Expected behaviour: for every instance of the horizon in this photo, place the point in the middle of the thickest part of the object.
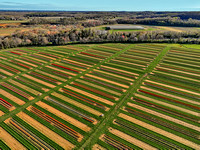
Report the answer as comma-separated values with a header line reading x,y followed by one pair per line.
x,y
103,5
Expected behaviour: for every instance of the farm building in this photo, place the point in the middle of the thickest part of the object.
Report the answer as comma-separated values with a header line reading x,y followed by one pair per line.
x,y
124,27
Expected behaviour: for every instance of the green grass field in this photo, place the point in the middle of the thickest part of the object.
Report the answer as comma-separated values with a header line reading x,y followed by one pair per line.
x,y
100,96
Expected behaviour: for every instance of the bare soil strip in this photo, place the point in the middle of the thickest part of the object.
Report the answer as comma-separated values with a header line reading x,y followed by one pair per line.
x,y
39,60
26,62
131,139
10,141
73,102
47,57
169,105
165,117
173,96
24,87
115,75
11,97
129,63
160,131
98,147
90,95
46,131
77,62
112,82
1,113
39,81
6,72
169,86
64,117
120,70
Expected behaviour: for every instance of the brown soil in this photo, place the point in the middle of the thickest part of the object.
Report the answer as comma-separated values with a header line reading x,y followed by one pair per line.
x,y
160,131
98,147
64,117
46,131
10,141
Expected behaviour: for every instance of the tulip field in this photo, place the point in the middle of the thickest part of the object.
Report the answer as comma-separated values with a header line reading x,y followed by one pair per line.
x,y
100,97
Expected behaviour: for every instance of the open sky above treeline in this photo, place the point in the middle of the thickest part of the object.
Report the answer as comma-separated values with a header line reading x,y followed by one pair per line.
x,y
102,5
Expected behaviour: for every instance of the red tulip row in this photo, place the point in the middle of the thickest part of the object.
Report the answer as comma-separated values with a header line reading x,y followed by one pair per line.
x,y
14,89
93,55
9,68
66,68
84,99
5,103
95,91
169,99
55,122
20,64
15,53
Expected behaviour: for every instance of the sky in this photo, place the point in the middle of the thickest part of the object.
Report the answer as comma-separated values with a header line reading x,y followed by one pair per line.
x,y
102,5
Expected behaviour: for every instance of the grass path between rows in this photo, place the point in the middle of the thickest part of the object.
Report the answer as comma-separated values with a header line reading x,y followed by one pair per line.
x,y
105,123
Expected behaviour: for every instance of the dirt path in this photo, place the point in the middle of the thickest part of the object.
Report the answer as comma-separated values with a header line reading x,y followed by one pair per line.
x,y
73,102
39,81
10,141
171,29
90,95
11,97
173,87
131,139
170,95
64,117
165,117
169,105
160,131
46,131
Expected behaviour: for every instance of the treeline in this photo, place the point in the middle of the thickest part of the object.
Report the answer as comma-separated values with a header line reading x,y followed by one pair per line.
x,y
164,21
44,37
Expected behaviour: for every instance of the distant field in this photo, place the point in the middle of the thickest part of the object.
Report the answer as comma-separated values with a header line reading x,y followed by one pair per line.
x,y
100,96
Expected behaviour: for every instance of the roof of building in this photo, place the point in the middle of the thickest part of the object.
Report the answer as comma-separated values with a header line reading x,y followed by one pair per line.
x,y
125,27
